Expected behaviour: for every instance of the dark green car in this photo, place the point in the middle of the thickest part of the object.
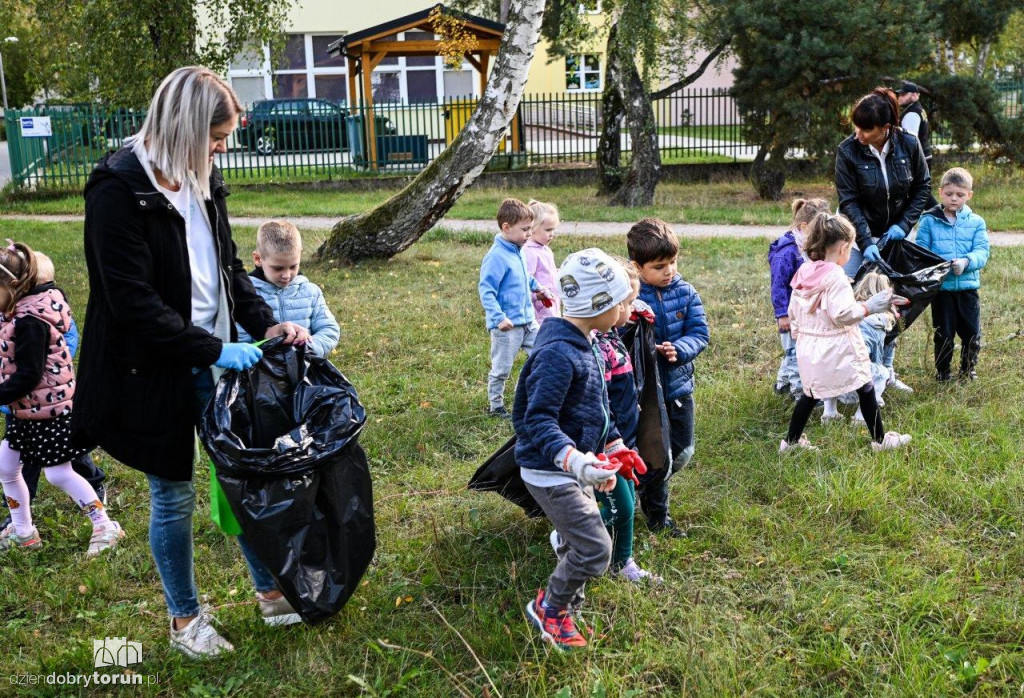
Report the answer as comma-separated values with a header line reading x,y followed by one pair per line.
x,y
299,125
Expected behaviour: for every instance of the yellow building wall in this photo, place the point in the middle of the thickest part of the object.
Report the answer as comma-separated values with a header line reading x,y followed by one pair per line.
x,y
332,16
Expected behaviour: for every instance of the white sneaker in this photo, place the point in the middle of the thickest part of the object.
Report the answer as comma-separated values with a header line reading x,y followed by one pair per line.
x,y
199,639
555,540
832,418
277,611
105,538
890,441
858,420
897,384
802,443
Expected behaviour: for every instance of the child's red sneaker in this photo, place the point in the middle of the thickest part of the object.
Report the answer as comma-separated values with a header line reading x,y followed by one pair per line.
x,y
555,626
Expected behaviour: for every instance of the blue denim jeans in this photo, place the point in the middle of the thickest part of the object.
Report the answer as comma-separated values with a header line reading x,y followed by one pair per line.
x,y
172,504
789,373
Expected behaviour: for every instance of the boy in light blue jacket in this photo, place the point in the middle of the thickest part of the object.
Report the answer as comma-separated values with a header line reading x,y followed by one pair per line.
x,y
505,292
955,232
291,296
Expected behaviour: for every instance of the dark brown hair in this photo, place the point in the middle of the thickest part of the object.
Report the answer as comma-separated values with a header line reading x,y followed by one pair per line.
x,y
649,240
512,211
877,108
824,231
18,274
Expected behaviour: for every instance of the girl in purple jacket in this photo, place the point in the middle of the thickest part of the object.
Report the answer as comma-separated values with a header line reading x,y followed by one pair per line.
x,y
785,256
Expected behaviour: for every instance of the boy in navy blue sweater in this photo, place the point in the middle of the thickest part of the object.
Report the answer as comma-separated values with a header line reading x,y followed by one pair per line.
x,y
681,330
561,417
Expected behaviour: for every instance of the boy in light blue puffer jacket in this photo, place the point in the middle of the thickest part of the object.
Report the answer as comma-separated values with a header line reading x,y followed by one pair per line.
x,y
291,296
955,232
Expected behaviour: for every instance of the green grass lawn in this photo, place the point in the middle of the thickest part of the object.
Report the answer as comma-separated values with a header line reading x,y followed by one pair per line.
x,y
997,197
830,573
717,132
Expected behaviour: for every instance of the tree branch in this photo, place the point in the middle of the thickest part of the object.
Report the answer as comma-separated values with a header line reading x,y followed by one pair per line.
x,y
695,75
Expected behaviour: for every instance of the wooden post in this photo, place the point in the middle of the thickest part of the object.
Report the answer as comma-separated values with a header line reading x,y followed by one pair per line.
x,y
485,61
351,82
368,118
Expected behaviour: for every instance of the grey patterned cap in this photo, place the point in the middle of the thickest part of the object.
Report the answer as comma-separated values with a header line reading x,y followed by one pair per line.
x,y
591,283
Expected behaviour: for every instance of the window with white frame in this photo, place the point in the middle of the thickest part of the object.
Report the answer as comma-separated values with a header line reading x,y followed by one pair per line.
x,y
583,73
301,68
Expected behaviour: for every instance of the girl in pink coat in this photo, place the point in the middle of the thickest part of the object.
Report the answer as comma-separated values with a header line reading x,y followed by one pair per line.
x,y
540,260
824,319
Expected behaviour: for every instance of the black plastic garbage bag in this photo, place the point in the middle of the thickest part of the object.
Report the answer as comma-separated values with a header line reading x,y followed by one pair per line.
x,y
915,273
283,436
653,441
500,472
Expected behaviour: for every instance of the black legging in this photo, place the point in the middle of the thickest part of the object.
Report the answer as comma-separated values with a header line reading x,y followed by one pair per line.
x,y
868,408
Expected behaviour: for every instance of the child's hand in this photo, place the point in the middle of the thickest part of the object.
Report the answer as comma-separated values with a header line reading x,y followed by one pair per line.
x,y
505,325
668,351
546,298
292,333
900,300
630,464
959,265
783,323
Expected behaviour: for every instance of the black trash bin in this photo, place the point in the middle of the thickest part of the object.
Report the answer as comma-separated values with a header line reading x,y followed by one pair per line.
x,y
283,436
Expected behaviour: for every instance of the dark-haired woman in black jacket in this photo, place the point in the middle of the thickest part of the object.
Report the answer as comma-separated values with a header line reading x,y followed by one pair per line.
x,y
883,184
882,177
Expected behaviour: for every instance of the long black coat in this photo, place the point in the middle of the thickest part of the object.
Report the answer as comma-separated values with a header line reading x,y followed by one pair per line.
x,y
135,394
863,196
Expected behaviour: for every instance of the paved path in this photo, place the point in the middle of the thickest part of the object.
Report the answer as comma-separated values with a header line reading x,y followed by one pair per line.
x,y
5,164
684,230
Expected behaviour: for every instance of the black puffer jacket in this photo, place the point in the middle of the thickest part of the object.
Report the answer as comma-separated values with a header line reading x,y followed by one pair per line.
x,y
135,395
863,196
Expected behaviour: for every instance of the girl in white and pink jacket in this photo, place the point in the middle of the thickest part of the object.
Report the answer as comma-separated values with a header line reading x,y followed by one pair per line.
x,y
824,318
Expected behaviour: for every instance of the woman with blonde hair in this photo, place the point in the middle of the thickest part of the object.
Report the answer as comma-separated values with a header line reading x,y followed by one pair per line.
x,y
166,288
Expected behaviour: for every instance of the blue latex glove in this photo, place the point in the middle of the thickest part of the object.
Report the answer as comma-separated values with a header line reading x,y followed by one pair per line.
x,y
4,409
893,233
238,356
871,254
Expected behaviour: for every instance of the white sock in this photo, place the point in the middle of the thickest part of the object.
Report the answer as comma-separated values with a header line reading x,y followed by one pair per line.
x,y
79,489
830,407
15,489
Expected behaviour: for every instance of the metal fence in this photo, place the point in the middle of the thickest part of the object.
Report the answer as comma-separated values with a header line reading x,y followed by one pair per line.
x,y
316,139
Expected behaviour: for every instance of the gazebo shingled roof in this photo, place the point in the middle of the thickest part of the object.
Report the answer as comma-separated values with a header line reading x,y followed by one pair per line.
x,y
365,49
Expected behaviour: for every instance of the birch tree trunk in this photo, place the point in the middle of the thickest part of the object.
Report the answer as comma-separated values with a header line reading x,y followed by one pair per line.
x,y
609,146
983,52
401,220
645,166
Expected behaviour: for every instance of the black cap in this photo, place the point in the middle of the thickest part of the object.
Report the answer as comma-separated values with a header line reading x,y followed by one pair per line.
x,y
909,87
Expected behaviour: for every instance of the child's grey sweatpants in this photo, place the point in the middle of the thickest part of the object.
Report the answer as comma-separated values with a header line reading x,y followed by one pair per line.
x,y
573,512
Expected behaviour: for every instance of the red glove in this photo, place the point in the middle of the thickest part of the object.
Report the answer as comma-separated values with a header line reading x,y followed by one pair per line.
x,y
647,315
630,464
546,302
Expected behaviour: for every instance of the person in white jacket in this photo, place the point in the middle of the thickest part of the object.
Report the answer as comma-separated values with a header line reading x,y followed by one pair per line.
x,y
824,318
291,296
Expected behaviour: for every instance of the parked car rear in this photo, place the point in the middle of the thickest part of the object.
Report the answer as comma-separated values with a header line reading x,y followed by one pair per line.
x,y
274,125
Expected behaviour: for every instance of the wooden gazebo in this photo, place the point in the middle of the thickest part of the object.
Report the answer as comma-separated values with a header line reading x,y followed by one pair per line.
x,y
365,49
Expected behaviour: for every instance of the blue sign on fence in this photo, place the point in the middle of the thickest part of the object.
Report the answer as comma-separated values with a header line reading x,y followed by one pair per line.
x,y
36,127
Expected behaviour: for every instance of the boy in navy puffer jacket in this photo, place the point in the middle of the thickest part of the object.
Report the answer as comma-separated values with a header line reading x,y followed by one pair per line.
x,y
562,418
291,296
681,330
953,231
